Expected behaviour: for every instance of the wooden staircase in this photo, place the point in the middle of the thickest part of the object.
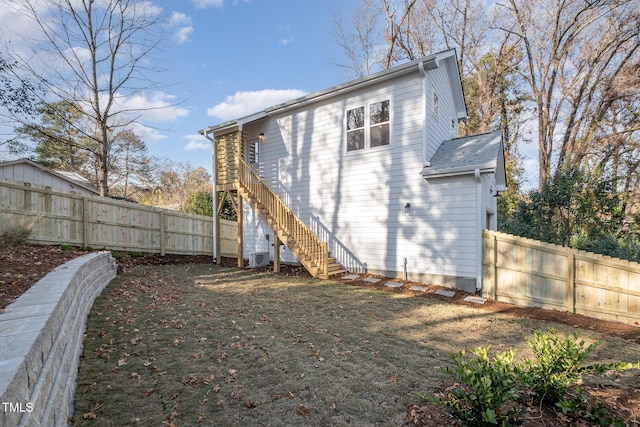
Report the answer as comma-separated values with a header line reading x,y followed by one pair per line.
x,y
312,252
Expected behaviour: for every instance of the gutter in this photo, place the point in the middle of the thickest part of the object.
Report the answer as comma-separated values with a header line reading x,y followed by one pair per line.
x,y
215,195
478,177
463,170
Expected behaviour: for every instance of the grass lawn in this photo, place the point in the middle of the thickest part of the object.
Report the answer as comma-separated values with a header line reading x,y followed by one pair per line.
x,y
197,344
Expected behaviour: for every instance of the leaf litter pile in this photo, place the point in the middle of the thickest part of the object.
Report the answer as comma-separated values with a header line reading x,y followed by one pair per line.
x,y
198,344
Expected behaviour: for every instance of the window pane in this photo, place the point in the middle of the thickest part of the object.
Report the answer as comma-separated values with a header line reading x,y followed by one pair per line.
x,y
355,118
380,135
355,140
379,112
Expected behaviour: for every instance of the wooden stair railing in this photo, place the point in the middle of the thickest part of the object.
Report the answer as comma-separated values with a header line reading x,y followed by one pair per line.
x,y
312,252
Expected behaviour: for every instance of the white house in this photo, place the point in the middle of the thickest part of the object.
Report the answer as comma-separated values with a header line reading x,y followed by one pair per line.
x,y
374,169
24,170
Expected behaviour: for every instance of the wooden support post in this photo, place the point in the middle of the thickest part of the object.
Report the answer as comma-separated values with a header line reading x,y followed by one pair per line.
x,y
240,232
325,260
217,238
276,253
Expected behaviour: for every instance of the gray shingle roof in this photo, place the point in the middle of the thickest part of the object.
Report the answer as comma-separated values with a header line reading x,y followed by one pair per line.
x,y
482,152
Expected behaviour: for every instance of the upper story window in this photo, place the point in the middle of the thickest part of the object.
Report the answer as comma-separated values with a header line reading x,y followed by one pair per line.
x,y
368,127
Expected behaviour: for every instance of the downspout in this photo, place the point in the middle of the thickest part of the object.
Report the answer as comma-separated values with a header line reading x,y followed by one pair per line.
x,y
215,196
423,74
478,177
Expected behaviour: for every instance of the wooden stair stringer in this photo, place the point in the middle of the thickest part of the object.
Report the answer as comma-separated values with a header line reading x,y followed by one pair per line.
x,y
285,239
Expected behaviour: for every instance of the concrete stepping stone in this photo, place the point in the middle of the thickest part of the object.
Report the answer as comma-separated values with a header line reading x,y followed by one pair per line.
x,y
419,288
372,280
448,294
393,284
351,277
477,300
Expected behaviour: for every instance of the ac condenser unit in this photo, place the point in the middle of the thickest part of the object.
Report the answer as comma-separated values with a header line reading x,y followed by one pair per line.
x,y
258,259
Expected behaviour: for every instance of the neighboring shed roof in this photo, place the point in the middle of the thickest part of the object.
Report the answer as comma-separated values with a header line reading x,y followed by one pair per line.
x,y
74,180
461,156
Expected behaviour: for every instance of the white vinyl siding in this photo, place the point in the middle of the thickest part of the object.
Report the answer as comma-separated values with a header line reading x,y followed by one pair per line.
x,y
355,199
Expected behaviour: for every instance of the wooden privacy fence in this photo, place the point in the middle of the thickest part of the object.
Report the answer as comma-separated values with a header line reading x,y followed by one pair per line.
x,y
228,238
531,273
99,222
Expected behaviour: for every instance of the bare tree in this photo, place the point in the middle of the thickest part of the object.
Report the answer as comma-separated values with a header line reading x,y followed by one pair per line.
x,y
574,53
94,54
357,38
131,166
362,38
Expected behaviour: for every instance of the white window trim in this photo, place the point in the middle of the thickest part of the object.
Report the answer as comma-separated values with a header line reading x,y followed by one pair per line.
x,y
367,127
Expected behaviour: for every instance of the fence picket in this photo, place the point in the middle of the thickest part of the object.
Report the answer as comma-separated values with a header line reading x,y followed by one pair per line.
x,y
533,273
68,218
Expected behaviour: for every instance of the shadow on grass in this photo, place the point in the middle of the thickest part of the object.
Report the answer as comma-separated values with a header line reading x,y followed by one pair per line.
x,y
207,345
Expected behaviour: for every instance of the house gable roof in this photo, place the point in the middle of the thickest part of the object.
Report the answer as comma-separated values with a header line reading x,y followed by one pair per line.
x,y
423,64
70,177
465,155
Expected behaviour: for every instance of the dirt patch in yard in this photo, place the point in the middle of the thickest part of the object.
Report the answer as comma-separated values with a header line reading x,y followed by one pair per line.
x,y
22,266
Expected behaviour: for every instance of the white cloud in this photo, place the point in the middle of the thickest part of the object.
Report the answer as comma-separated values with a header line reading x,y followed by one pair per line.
x,y
286,41
183,24
197,142
178,18
244,103
182,35
159,107
287,37
203,4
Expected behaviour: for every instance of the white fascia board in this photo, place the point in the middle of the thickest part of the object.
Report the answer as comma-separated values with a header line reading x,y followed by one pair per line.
x,y
465,170
233,125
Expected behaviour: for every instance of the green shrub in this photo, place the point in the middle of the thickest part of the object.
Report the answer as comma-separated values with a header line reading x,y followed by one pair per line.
x,y
136,254
67,248
116,254
489,392
559,364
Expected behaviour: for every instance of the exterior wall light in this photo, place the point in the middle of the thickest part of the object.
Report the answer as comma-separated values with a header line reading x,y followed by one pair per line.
x,y
407,208
261,137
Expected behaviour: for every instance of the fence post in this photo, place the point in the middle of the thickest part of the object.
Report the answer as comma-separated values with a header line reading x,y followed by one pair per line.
x,y
494,291
163,237
27,197
570,295
85,222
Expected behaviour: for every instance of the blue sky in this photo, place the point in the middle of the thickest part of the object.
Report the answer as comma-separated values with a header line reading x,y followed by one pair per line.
x,y
220,59
224,59
227,59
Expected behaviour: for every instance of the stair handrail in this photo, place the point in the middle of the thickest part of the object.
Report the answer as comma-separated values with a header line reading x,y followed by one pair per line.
x,y
285,218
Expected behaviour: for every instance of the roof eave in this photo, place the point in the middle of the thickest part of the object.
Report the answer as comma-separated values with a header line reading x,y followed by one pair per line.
x,y
382,76
462,170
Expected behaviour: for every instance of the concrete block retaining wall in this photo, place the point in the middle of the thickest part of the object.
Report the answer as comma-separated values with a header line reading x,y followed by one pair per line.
x,y
41,341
